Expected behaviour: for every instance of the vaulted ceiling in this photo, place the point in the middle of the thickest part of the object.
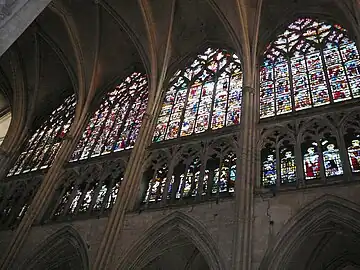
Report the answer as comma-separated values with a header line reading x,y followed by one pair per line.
x,y
86,44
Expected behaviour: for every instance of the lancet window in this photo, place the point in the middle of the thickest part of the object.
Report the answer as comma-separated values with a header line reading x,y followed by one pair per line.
x,y
15,198
87,190
206,95
278,164
40,151
190,172
311,64
116,124
311,150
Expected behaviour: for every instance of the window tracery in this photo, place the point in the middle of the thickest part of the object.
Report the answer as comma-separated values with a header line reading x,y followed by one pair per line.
x,y
40,151
311,64
310,150
88,190
15,198
277,157
116,124
190,172
205,95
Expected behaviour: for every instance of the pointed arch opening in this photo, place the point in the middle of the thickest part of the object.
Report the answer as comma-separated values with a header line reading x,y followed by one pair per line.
x,y
205,95
116,123
177,238
323,233
65,249
311,64
40,150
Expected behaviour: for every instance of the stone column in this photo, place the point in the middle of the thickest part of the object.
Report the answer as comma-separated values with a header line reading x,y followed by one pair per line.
x,y
130,184
245,179
44,194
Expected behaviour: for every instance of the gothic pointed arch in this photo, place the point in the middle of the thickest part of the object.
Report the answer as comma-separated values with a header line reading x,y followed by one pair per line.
x,y
115,124
177,229
328,214
203,95
65,249
313,63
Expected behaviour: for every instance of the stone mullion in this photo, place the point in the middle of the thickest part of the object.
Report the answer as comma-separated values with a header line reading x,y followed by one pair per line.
x,y
168,181
151,184
244,182
107,196
299,164
44,193
82,197
210,183
188,163
221,164
95,194
71,198
203,160
57,203
278,164
344,156
321,160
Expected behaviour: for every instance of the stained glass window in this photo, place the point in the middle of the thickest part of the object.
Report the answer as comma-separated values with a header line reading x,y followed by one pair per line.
x,y
225,175
115,125
205,95
269,174
311,160
41,149
353,148
311,64
331,157
288,168
157,185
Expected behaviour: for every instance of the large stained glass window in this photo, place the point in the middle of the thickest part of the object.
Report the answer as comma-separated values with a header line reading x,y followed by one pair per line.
x,y
309,65
41,149
115,125
205,95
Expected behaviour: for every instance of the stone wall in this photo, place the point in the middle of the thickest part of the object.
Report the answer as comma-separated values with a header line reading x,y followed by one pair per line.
x,y
216,218
271,214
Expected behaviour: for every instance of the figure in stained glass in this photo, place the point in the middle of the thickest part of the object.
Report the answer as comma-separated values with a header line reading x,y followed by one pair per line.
x,y
205,95
354,155
269,171
311,164
332,161
288,168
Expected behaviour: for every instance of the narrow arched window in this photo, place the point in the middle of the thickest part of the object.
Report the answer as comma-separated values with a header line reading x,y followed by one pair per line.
x,y
206,95
116,124
40,151
311,64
